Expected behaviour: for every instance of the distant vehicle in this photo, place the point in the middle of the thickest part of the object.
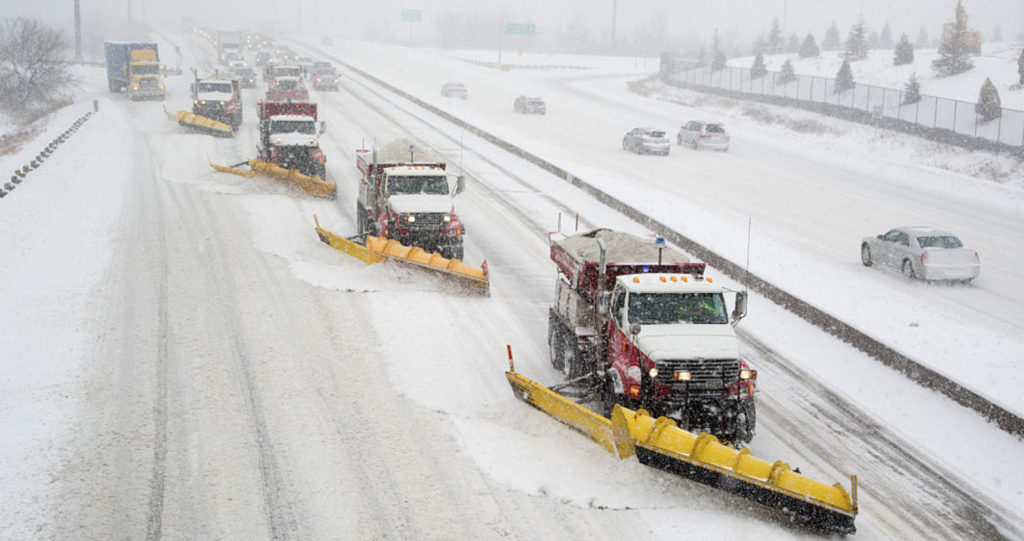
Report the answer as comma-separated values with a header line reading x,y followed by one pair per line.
x,y
325,78
230,57
134,68
219,99
700,134
237,64
527,104
273,71
286,88
305,62
927,253
263,57
646,141
322,64
454,90
246,76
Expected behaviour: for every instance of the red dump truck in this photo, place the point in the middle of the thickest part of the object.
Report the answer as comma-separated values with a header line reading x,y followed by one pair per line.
x,y
409,198
637,323
289,137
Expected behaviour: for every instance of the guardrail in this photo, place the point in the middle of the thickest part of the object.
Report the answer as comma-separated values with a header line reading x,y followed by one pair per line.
x,y
21,174
926,377
940,119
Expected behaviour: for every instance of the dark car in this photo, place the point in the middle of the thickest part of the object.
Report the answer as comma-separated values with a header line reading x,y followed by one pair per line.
x,y
530,104
246,76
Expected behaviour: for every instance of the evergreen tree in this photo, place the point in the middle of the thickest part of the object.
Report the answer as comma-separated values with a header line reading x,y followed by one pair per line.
x,y
873,41
844,78
1020,66
912,90
773,43
922,39
953,55
787,75
989,106
758,70
809,48
794,43
857,42
758,45
831,41
904,52
885,39
702,58
717,55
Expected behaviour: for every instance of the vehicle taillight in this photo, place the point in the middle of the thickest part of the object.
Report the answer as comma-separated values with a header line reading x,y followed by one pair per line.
x,y
318,156
976,257
230,106
924,257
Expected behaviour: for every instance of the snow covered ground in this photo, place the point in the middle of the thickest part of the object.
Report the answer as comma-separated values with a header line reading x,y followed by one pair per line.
x,y
308,395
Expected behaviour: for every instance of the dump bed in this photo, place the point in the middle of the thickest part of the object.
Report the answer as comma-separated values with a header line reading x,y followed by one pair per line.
x,y
578,258
265,109
394,154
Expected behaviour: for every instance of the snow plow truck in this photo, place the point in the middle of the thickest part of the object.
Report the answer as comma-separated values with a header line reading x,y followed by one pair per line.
x,y
289,137
409,199
636,323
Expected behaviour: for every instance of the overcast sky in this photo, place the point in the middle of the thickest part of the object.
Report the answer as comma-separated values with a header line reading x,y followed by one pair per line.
x,y
741,20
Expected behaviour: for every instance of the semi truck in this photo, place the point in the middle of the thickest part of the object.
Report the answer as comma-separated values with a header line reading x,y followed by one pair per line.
x,y
636,323
409,199
289,137
229,45
134,68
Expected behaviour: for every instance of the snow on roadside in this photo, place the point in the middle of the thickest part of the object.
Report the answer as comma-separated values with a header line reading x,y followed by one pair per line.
x,y
55,245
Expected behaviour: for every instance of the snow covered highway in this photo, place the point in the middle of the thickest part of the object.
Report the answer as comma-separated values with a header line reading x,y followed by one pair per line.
x,y
189,361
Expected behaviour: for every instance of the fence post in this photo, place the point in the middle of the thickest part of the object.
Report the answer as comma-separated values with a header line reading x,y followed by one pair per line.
x,y
956,109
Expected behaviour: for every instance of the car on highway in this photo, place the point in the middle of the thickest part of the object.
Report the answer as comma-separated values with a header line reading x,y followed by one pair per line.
x,y
530,104
646,141
262,57
921,252
325,78
454,90
701,134
246,76
287,89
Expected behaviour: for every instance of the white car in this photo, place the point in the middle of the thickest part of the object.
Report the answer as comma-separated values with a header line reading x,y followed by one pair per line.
x,y
700,134
454,90
927,253
646,141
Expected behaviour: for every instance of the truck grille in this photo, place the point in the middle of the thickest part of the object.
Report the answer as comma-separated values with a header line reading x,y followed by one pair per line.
x,y
147,83
708,377
427,221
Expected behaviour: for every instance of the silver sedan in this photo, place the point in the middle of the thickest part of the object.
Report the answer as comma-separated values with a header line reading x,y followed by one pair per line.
x,y
922,252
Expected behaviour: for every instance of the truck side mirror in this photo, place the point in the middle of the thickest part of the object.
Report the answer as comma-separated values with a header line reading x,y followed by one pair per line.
x,y
323,128
602,302
740,311
460,184
634,330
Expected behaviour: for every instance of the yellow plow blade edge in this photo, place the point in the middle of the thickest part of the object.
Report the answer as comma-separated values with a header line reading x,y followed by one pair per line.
x,y
204,124
311,185
378,249
234,170
661,444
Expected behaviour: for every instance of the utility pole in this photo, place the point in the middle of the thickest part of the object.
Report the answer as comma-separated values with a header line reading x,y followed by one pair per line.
x,y
78,31
614,17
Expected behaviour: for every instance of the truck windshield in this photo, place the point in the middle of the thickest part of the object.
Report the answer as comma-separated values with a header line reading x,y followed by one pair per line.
x,y
671,308
215,87
146,69
288,72
434,185
293,126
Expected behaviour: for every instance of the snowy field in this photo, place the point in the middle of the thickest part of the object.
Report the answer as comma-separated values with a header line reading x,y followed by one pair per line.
x,y
308,395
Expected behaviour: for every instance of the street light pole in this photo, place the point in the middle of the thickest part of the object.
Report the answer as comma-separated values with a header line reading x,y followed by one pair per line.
x,y
78,32
614,17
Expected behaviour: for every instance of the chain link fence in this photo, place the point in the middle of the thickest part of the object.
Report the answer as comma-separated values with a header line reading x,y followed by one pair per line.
x,y
940,119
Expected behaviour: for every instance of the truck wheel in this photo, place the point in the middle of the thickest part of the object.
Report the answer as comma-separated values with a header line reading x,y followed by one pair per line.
x,y
114,87
555,347
453,251
744,423
572,363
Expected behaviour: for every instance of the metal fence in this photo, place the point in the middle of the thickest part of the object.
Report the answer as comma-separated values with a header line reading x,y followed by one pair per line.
x,y
937,118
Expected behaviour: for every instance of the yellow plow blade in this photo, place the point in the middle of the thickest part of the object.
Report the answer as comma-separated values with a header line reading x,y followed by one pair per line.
x,y
661,444
204,124
234,170
311,185
378,249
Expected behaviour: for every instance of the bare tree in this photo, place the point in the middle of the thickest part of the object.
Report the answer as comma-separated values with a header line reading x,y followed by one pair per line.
x,y
33,65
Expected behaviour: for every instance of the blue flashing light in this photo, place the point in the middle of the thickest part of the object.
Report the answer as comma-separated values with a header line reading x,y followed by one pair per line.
x,y
646,268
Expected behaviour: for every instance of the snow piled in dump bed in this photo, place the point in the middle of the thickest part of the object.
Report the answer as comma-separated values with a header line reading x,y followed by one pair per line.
x,y
620,248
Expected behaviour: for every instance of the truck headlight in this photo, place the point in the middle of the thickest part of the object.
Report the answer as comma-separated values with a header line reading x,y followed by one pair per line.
x,y
744,374
683,375
447,218
410,218
653,372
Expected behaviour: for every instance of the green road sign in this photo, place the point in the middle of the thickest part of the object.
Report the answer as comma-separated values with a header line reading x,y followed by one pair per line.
x,y
522,29
412,15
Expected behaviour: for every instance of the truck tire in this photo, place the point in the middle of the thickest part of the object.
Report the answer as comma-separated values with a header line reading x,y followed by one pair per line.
x,y
555,345
572,361
113,85
452,250
745,422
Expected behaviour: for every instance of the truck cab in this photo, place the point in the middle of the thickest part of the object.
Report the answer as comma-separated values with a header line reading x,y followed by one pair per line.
x,y
293,143
135,68
672,350
219,99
